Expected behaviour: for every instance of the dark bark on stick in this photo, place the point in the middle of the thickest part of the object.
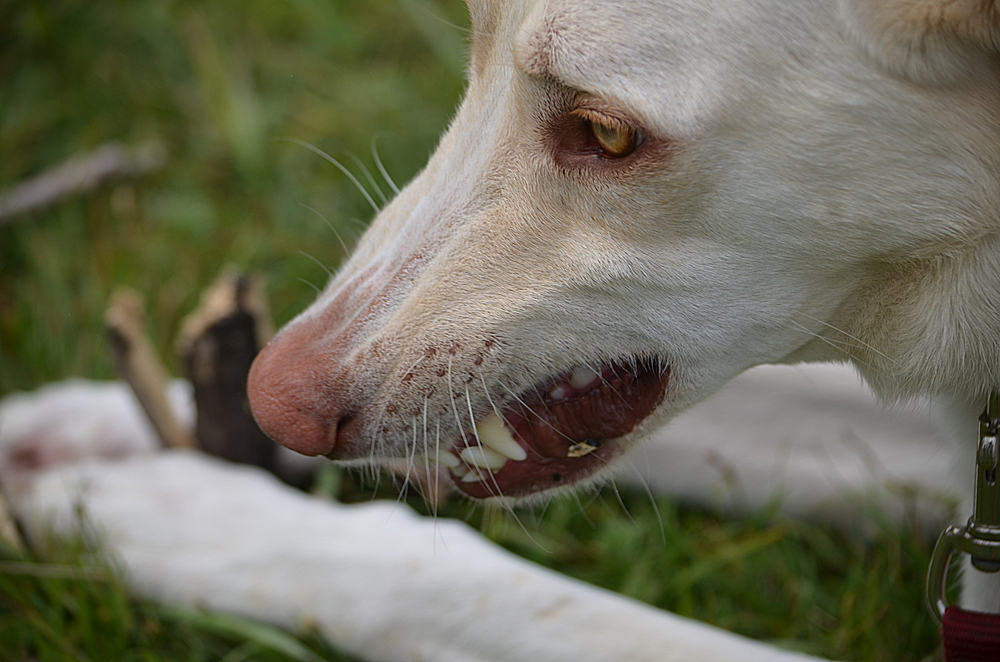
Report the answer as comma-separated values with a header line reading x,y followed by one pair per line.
x,y
218,342
135,362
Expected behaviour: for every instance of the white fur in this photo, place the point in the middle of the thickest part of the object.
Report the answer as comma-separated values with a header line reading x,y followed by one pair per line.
x,y
820,181
811,205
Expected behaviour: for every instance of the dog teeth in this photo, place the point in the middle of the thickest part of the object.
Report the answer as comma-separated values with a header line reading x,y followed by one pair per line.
x,y
483,457
448,460
473,477
557,392
495,436
582,376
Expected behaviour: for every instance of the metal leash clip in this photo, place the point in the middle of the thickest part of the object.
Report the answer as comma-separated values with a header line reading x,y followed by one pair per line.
x,y
980,537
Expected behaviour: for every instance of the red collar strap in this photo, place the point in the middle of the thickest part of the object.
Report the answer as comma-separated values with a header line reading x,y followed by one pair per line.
x,y
970,636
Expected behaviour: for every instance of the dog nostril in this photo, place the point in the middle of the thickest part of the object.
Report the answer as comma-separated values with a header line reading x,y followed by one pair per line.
x,y
343,422
340,431
282,398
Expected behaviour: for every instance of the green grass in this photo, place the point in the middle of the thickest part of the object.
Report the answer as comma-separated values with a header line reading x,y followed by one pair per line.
x,y
223,86
799,586
228,88
62,607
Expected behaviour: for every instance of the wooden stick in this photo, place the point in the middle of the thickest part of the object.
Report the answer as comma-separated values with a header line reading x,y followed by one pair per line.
x,y
217,343
82,173
9,533
135,361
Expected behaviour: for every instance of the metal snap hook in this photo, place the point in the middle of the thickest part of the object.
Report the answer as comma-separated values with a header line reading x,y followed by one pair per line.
x,y
980,537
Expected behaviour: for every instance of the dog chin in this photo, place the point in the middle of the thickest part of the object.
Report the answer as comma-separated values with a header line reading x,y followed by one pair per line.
x,y
561,432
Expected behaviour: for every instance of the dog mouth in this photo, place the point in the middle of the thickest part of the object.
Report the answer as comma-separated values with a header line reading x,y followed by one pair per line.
x,y
559,432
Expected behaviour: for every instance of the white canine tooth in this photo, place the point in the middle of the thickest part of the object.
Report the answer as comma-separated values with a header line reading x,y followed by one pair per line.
x,y
461,471
483,457
493,434
473,477
448,460
582,376
557,392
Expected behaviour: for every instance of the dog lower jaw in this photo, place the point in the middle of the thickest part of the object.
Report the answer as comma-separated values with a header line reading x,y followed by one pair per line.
x,y
558,433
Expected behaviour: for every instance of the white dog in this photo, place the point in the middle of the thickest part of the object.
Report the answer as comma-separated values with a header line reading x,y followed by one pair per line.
x,y
639,200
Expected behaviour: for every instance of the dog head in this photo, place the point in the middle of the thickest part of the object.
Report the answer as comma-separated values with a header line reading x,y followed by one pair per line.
x,y
638,200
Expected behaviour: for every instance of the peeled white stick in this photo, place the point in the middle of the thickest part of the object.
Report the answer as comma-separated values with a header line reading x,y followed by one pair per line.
x,y
815,437
136,362
376,580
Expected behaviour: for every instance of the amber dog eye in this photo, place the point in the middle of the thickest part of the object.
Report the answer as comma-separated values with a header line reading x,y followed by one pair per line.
x,y
615,138
616,141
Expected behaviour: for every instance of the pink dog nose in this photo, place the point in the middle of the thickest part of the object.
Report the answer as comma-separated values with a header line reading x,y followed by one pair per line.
x,y
291,396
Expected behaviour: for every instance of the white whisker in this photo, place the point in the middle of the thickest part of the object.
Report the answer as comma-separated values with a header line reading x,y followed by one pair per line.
x,y
492,476
527,408
454,407
368,175
329,272
652,501
409,465
836,344
414,365
339,166
381,168
853,338
496,410
600,375
330,225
